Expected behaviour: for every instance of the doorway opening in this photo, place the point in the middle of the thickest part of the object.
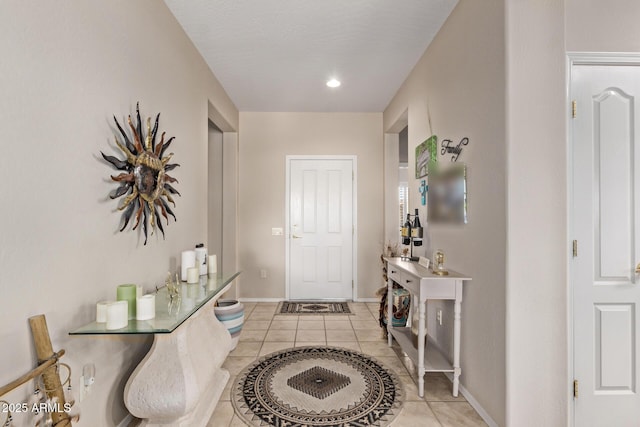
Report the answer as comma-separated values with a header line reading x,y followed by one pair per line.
x,y
396,179
403,177
222,194
215,193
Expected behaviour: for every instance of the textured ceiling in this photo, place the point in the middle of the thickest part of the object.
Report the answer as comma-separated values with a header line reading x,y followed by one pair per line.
x,y
276,55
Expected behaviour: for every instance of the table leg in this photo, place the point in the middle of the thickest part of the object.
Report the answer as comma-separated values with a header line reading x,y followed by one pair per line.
x,y
421,343
457,306
389,311
180,381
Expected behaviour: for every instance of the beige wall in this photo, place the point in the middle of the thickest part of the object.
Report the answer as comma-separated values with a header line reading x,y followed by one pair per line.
x,y
459,83
66,68
265,140
602,26
537,377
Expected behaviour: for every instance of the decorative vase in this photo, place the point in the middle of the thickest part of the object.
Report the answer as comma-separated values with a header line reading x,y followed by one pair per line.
x,y
231,314
401,303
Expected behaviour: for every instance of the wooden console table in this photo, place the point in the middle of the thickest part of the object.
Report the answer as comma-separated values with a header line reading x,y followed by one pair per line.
x,y
180,380
424,285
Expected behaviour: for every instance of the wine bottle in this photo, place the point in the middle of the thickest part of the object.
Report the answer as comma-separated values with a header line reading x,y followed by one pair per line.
x,y
406,231
416,231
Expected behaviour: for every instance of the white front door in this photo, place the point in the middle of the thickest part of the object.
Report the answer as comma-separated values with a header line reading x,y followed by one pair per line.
x,y
320,229
605,221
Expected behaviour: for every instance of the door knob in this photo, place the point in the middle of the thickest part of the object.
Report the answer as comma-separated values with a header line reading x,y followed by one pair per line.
x,y
638,268
296,237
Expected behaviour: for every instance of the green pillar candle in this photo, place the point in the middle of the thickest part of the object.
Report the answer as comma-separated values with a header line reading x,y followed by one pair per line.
x,y
128,293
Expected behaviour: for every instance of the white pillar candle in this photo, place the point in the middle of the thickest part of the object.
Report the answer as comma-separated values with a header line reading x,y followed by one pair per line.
x,y
146,307
128,293
193,274
213,264
201,260
188,261
101,311
117,315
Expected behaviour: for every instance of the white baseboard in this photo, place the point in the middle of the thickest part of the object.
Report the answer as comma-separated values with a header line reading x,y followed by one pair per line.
x,y
367,300
282,299
474,403
472,400
127,420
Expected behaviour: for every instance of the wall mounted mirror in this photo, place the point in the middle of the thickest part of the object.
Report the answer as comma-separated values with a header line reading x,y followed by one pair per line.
x,y
447,194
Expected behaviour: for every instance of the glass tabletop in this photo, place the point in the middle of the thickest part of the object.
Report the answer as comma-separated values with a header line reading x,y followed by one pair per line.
x,y
170,313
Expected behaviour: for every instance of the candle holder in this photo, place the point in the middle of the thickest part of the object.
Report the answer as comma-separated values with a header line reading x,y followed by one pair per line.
x,y
172,286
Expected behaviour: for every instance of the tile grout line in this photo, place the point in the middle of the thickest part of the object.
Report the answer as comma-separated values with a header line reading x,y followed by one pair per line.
x,y
406,371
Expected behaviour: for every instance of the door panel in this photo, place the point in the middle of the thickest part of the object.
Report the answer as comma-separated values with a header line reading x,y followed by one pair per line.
x,y
604,216
615,364
309,198
334,207
613,142
321,234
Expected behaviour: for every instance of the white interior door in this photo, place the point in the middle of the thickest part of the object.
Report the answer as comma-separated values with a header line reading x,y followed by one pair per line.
x,y
605,223
320,229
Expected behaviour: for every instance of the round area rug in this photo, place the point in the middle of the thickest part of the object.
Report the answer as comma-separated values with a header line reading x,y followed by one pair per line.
x,y
317,386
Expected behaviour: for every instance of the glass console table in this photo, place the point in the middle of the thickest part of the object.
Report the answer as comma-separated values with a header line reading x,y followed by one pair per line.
x,y
181,379
169,313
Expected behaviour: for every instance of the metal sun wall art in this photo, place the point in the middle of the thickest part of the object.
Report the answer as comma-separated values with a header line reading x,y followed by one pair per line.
x,y
144,179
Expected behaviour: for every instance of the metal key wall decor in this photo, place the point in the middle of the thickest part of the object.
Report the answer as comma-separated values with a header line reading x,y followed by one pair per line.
x,y
144,179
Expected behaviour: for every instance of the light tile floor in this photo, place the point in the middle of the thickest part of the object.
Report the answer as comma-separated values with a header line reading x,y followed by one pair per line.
x,y
265,332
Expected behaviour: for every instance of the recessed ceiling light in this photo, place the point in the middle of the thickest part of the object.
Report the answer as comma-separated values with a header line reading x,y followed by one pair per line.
x,y
333,83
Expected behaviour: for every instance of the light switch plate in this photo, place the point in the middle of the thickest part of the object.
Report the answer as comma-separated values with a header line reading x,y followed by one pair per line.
x,y
276,232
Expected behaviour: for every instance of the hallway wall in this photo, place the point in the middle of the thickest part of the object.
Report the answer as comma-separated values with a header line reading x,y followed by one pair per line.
x,y
265,140
597,26
67,67
457,87
537,248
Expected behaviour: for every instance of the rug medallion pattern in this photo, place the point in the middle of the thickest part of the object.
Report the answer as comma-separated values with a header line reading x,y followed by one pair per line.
x,y
317,386
318,382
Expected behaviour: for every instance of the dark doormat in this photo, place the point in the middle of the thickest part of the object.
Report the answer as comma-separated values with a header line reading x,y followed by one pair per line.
x,y
313,307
